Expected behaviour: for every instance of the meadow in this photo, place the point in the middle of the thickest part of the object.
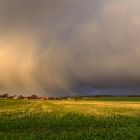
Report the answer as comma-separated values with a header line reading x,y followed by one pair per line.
x,y
95,118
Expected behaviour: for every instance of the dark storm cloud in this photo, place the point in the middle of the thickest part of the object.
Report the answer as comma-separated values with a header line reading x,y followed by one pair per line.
x,y
48,45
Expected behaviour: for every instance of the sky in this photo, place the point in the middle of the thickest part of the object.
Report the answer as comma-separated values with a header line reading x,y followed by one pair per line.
x,y
50,46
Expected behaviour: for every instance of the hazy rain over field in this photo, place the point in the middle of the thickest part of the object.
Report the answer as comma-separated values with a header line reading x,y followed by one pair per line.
x,y
56,47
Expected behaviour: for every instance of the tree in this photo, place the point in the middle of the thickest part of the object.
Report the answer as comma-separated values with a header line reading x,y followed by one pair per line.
x,y
20,97
5,95
33,97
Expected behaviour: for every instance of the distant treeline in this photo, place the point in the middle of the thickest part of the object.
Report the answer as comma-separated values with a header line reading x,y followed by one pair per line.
x,y
7,96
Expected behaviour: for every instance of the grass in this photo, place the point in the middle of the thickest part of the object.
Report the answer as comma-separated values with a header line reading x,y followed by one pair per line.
x,y
102,118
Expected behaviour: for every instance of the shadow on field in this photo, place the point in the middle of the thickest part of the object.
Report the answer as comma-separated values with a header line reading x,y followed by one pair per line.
x,y
74,126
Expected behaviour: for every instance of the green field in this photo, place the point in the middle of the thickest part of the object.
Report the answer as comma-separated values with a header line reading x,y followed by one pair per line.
x,y
102,118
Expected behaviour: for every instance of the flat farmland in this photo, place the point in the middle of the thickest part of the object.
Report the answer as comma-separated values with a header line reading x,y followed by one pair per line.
x,y
89,118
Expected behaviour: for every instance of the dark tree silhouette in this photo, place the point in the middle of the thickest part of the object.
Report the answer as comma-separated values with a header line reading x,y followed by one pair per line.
x,y
33,97
5,95
21,97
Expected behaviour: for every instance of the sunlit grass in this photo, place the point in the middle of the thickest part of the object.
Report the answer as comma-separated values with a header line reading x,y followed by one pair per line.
x,y
76,119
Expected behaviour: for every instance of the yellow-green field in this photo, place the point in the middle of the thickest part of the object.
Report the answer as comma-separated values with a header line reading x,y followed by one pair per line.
x,y
114,118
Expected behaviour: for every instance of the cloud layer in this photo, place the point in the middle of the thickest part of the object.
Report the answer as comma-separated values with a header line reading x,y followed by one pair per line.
x,y
51,46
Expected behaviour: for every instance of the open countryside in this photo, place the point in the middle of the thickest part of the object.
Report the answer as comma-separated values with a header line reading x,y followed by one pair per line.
x,y
85,118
